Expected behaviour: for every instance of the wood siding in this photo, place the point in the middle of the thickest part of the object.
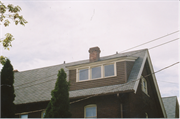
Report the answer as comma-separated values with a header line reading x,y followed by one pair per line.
x,y
107,107
123,70
31,107
141,103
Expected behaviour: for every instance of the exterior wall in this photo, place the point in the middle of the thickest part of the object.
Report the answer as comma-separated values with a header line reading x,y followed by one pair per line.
x,y
107,107
31,107
134,105
141,103
123,71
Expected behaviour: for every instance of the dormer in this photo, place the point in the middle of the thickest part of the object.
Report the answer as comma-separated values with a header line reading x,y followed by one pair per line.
x,y
100,71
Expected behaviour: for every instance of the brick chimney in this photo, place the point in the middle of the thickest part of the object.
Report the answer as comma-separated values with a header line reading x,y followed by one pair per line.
x,y
15,70
94,54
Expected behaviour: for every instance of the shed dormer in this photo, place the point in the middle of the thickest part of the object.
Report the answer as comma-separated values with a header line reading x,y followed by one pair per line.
x,y
97,72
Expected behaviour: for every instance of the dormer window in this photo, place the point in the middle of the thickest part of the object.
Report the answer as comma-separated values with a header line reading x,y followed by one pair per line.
x,y
96,72
109,70
83,74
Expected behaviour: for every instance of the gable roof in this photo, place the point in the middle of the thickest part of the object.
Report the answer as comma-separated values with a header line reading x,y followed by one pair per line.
x,y
170,106
36,85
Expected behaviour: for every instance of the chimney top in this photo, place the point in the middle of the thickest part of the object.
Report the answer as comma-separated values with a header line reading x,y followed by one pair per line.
x,y
15,70
94,54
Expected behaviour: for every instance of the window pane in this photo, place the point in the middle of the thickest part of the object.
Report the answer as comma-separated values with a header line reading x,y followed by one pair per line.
x,y
43,114
96,72
91,112
109,70
24,116
83,74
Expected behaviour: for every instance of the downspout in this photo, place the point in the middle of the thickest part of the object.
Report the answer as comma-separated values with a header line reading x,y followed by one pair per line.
x,y
121,105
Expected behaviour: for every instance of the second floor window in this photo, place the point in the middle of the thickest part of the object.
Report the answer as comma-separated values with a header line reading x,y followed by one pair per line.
x,y
144,85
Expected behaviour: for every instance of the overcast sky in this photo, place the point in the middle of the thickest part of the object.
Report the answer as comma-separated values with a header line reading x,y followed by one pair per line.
x,y
59,31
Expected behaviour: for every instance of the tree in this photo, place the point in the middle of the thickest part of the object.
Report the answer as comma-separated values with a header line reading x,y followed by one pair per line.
x,y
58,107
7,91
6,13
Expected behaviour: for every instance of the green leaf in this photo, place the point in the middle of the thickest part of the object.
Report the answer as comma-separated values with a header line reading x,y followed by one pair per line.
x,y
6,22
16,22
7,41
3,60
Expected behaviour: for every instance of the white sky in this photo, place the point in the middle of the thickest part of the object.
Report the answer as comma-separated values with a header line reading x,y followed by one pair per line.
x,y
59,31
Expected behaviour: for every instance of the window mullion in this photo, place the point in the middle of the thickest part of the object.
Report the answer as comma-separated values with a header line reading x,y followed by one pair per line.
x,y
102,71
89,73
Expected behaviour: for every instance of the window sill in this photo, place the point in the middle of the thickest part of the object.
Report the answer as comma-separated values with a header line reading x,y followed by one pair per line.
x,y
145,93
95,79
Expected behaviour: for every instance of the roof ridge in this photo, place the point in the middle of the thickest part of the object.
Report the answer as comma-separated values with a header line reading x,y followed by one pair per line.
x,y
84,60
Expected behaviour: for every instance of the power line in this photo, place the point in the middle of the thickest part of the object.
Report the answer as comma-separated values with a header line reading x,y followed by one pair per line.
x,y
150,41
124,84
78,72
168,82
164,43
122,51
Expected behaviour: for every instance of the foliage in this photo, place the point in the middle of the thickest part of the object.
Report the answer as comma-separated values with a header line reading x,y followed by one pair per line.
x,y
2,60
6,13
58,107
7,91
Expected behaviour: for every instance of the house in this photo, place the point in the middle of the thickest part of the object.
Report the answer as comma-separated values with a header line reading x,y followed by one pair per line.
x,y
115,86
171,106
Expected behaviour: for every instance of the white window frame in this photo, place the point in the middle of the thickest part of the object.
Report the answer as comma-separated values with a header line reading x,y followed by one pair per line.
x,y
104,70
146,115
144,88
87,106
90,71
43,113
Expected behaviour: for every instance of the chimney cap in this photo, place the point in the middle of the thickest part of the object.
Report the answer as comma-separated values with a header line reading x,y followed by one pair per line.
x,y
94,49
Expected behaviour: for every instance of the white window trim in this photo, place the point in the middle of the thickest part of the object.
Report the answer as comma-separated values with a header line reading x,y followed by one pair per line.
x,y
91,105
23,114
89,71
144,80
146,115
42,113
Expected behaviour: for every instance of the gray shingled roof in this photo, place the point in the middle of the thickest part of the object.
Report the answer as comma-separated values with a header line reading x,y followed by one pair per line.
x,y
36,85
170,106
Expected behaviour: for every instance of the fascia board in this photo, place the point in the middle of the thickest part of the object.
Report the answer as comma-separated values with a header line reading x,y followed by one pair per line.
x,y
156,85
119,59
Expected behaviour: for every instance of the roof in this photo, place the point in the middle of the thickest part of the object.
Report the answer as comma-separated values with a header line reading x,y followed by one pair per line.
x,y
36,85
170,106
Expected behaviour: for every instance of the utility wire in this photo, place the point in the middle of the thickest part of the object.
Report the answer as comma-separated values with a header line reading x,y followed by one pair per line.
x,y
125,84
120,52
17,87
150,41
164,43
